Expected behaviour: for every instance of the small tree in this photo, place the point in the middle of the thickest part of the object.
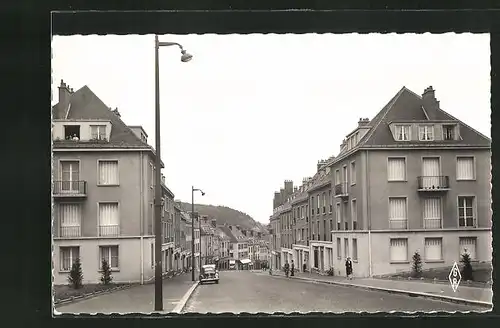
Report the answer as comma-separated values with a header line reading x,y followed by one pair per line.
x,y
106,277
416,267
467,272
75,277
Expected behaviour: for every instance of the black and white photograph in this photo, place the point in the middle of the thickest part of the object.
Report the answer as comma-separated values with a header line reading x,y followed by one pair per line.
x,y
264,173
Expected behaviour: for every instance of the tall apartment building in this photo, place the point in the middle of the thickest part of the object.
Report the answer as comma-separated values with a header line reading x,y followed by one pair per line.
x,y
103,190
414,178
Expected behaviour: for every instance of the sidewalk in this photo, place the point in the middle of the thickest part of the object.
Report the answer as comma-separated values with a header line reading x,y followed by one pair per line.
x,y
464,294
137,299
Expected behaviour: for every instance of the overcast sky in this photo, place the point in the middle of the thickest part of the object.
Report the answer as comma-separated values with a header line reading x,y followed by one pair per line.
x,y
250,111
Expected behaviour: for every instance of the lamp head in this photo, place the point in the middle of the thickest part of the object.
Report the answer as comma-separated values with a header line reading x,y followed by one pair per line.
x,y
185,57
202,193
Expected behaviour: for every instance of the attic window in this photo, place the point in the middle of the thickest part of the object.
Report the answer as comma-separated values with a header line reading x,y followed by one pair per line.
x,y
72,132
426,132
98,132
402,132
448,132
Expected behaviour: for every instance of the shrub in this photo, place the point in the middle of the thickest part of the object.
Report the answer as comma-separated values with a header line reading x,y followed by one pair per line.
x,y
106,277
416,267
466,272
75,277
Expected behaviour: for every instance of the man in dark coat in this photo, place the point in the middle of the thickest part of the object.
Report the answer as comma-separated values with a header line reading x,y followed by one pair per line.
x,y
348,268
293,269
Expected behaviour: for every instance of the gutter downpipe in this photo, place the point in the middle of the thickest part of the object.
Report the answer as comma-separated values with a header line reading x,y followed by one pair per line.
x,y
369,217
141,216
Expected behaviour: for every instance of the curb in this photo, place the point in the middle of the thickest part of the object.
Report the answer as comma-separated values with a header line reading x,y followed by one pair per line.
x,y
75,299
399,291
182,303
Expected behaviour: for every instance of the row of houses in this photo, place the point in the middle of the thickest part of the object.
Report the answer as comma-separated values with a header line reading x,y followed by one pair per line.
x,y
412,179
103,198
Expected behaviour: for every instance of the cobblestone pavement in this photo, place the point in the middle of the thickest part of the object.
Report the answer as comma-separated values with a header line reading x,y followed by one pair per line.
x,y
244,291
139,299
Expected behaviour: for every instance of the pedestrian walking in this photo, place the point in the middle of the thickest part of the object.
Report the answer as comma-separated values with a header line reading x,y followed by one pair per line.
x,y
293,269
348,268
304,266
287,267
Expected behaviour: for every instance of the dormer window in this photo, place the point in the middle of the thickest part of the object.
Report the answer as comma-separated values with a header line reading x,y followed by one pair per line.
x,y
402,132
448,132
72,132
98,132
426,133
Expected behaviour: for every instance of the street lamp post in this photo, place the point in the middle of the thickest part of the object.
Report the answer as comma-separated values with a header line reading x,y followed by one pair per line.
x,y
193,189
185,57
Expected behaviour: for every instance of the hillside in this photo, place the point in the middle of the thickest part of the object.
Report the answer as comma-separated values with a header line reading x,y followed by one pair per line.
x,y
225,214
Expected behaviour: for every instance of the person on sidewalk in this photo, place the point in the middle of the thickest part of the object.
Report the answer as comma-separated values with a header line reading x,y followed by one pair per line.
x,y
304,266
348,268
292,271
287,268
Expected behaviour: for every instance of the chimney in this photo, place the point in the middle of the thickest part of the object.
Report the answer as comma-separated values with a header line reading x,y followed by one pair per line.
x,y
288,187
214,223
320,165
362,122
64,99
429,100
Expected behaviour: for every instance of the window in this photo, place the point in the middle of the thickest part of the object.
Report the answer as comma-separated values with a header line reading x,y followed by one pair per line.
x,y
426,133
397,213
433,249
465,168
330,201
468,245
318,200
70,175
312,205
109,221
339,249
466,211
324,230
399,250
432,213
396,169
354,249
110,254
70,218
448,132
346,248
98,132
337,214
353,173
72,132
354,214
108,172
152,179
152,256
337,177
324,203
68,255
402,132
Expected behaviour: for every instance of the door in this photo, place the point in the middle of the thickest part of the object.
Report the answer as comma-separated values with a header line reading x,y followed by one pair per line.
x,y
430,172
70,174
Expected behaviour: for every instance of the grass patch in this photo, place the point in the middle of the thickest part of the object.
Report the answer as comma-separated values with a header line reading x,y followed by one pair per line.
x,y
481,273
63,292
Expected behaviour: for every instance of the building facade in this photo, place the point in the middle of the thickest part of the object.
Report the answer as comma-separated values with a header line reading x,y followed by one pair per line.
x,y
412,179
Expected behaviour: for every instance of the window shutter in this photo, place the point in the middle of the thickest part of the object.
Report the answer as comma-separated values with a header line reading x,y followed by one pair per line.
x,y
465,168
397,209
399,250
433,249
396,169
468,245
108,214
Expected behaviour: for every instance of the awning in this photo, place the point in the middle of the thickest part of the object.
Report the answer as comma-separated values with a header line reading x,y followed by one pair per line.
x,y
245,261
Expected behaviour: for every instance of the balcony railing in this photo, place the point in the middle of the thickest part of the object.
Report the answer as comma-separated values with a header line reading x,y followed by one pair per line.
x,y
398,223
71,231
109,230
70,188
434,183
432,223
341,190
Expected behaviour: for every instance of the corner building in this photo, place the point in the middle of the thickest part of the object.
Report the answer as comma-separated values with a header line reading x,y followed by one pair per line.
x,y
414,178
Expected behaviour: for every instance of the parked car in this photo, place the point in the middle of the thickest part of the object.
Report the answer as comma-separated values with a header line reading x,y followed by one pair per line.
x,y
209,274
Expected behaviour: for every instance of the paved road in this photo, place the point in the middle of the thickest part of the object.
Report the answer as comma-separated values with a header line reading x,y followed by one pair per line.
x,y
139,299
244,291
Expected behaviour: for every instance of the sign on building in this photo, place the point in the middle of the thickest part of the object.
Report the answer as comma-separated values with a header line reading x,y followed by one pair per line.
x,y
455,277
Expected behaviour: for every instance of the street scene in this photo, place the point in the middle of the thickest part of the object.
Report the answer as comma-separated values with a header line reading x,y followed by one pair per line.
x,y
336,186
